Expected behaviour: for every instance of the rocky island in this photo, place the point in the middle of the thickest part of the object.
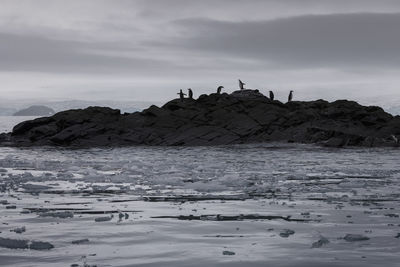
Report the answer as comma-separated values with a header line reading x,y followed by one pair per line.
x,y
35,111
244,116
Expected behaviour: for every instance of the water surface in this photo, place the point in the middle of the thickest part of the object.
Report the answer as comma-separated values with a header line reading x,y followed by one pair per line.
x,y
193,206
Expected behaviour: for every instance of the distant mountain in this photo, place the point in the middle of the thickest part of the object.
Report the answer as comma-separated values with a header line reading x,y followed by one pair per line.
x,y
124,106
8,108
390,103
7,111
35,111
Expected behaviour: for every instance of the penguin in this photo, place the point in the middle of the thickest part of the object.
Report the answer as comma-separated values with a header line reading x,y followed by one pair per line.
x,y
219,89
181,95
190,93
290,96
271,95
241,85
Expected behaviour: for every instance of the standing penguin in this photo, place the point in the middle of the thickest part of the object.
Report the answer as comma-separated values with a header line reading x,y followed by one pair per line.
x,y
181,95
219,89
290,96
271,95
190,93
241,85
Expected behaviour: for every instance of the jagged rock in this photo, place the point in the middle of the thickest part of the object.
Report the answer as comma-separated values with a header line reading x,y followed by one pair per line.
x,y
245,116
248,93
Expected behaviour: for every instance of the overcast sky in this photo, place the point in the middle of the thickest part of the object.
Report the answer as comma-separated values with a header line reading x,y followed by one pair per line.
x,y
149,49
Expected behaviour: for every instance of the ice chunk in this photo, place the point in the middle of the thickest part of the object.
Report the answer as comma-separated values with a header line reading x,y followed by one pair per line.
x,y
13,243
286,233
39,245
58,214
19,230
228,253
103,219
35,187
80,241
355,237
322,241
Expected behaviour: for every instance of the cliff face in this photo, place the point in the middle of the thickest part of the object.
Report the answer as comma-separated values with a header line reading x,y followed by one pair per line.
x,y
215,120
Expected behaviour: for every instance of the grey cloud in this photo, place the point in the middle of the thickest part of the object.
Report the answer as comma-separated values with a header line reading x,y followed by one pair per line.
x,y
232,10
112,46
31,53
338,40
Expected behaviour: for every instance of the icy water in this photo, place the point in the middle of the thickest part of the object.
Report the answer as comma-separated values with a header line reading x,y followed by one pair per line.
x,y
245,205
8,122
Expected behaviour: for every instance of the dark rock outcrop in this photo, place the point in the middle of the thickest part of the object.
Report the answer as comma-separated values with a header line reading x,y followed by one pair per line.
x,y
217,119
35,111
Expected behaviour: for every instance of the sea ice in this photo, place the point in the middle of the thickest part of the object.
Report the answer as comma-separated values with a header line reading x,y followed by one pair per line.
x,y
19,230
58,214
103,219
322,241
13,243
286,233
39,245
355,237
80,241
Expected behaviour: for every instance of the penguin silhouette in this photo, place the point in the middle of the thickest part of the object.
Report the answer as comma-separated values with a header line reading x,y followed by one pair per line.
x,y
271,95
190,93
241,85
181,95
219,89
290,96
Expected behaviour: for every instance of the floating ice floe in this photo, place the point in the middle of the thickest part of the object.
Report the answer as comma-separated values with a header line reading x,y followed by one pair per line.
x,y
34,187
103,219
322,241
19,230
58,214
39,245
13,243
241,217
286,233
24,244
355,237
80,241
